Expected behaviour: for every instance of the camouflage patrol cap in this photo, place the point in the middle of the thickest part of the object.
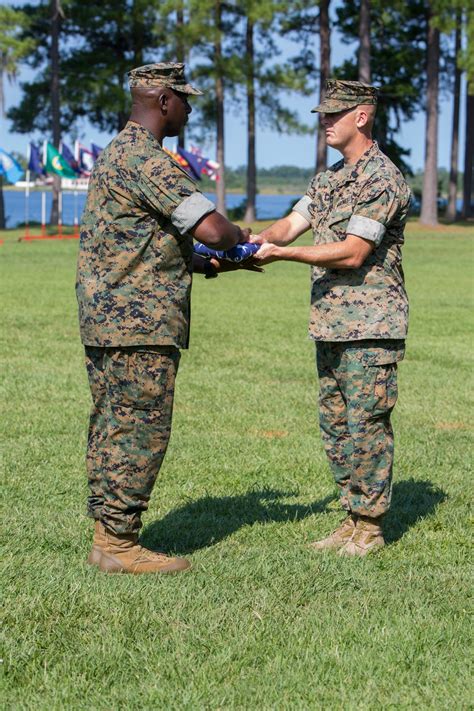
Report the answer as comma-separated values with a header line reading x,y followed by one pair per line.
x,y
165,74
342,95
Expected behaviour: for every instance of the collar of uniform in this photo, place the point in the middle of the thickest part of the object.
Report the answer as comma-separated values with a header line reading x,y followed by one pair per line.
x,y
137,128
364,159
357,168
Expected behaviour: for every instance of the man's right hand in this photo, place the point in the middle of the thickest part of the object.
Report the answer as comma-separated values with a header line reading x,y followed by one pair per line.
x,y
256,239
244,234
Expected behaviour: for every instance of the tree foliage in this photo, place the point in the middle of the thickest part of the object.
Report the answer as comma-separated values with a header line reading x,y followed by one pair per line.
x,y
397,59
14,45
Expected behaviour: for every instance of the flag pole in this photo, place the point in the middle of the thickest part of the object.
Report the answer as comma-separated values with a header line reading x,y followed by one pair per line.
x,y
43,213
76,221
43,197
27,193
60,210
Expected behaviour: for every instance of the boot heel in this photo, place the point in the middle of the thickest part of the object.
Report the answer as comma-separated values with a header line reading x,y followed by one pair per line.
x,y
94,556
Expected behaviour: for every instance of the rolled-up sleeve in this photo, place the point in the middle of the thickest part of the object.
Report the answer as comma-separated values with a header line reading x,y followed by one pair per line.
x,y
190,211
367,228
376,206
302,207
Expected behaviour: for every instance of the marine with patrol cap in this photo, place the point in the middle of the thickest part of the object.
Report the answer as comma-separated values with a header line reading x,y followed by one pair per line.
x,y
357,211
133,288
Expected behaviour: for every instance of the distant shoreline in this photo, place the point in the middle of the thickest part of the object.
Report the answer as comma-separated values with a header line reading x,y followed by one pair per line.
x,y
230,191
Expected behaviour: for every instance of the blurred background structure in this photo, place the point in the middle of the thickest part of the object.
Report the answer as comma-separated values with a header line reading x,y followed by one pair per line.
x,y
258,59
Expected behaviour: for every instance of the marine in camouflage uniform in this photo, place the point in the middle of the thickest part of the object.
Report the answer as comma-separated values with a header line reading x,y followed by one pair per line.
x,y
133,288
359,309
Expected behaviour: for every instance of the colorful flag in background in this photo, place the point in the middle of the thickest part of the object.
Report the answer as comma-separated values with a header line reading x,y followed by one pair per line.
x,y
183,163
208,167
55,163
9,167
195,163
35,163
211,169
68,155
84,158
96,150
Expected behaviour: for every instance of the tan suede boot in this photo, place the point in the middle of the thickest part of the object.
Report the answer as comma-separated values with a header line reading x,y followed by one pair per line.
x,y
123,554
339,537
367,538
98,544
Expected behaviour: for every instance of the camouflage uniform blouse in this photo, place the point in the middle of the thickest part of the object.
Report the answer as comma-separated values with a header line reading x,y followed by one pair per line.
x,y
369,199
135,256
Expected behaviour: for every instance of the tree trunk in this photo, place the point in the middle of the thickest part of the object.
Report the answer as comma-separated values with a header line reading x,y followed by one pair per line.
x,y
137,33
429,199
220,183
2,206
250,215
180,56
468,188
451,210
56,16
2,94
364,42
325,68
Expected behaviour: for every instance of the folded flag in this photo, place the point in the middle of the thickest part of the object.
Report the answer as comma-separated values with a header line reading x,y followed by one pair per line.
x,y
9,167
239,253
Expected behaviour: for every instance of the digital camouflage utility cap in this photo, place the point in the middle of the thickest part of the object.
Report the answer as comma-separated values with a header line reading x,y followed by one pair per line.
x,y
342,95
164,74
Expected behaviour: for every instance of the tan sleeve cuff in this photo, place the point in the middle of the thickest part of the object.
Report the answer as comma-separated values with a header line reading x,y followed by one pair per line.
x,y
367,228
301,208
190,211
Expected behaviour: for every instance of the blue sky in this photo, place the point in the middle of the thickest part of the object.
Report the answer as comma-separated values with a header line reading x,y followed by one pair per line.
x,y
272,148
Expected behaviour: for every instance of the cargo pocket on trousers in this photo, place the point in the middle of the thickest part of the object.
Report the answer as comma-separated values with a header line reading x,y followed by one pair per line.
x,y
383,389
141,379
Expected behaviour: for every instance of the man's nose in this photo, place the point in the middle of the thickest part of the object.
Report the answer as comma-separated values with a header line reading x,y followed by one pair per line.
x,y
189,108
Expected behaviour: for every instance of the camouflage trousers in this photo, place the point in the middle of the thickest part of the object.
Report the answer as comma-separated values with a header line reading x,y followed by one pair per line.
x,y
358,391
130,424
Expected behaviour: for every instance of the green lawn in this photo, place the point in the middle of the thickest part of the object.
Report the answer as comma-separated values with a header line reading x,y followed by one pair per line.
x,y
261,622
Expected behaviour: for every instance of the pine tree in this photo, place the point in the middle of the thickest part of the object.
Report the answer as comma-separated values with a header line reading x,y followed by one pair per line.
x,y
429,198
264,79
451,210
397,52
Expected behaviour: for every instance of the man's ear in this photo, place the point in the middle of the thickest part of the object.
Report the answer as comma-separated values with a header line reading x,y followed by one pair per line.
x,y
163,102
362,118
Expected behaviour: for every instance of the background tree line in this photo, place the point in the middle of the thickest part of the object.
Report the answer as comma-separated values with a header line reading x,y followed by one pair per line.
x,y
414,50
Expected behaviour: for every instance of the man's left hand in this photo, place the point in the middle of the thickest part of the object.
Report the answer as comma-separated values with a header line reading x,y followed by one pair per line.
x,y
267,253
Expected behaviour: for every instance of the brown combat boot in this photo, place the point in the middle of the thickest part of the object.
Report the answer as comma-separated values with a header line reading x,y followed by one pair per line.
x,y
122,554
339,537
98,544
367,538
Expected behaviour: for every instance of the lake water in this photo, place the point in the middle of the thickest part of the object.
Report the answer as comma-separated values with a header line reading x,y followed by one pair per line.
x,y
268,206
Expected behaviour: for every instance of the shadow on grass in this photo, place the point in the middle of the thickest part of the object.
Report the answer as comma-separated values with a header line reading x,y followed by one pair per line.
x,y
207,521
411,501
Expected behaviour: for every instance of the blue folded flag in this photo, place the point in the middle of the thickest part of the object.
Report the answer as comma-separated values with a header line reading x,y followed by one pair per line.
x,y
239,253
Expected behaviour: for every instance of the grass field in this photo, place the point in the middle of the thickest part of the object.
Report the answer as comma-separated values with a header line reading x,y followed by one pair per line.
x,y
261,622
